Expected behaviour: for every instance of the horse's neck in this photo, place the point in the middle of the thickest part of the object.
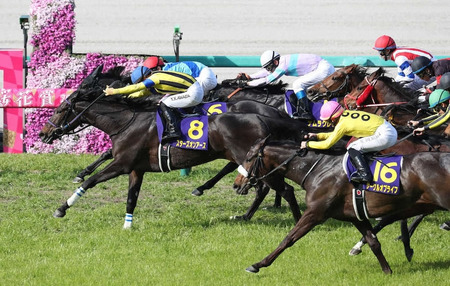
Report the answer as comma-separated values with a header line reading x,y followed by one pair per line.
x,y
115,118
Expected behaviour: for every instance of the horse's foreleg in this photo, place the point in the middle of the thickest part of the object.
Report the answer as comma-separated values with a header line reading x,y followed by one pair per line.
x,y
92,167
134,187
230,167
113,170
366,229
261,192
307,222
409,252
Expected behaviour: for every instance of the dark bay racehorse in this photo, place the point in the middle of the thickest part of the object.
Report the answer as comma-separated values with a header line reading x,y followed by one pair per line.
x,y
377,91
135,141
329,193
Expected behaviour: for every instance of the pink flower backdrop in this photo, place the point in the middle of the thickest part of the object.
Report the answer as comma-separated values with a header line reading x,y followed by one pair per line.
x,y
52,66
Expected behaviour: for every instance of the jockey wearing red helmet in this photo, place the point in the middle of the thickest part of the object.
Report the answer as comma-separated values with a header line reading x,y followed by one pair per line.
x,y
403,58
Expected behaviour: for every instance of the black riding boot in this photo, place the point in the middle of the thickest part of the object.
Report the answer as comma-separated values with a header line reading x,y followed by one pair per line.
x,y
303,111
171,130
363,173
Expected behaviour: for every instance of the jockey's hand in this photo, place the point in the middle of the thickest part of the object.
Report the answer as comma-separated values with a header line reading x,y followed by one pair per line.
x,y
108,90
413,123
242,84
243,76
311,136
418,131
303,145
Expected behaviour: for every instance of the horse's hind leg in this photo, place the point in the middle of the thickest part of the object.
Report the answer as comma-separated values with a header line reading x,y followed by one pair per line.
x,y
92,167
230,167
134,187
366,230
357,249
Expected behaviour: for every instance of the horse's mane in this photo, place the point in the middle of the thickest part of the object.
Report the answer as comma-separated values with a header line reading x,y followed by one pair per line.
x,y
360,70
278,87
398,87
147,103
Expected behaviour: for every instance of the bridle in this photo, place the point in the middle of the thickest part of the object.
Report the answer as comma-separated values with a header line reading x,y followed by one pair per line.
x,y
252,174
341,89
64,127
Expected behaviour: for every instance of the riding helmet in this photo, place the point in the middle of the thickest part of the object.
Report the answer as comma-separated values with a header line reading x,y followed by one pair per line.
x,y
445,81
385,43
139,74
268,57
420,63
331,109
438,96
153,62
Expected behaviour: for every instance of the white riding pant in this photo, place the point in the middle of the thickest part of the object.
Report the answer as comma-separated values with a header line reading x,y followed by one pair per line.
x,y
324,69
384,137
192,97
207,79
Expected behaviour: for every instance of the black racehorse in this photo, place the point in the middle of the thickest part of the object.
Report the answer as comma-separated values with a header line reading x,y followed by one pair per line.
x,y
135,142
329,193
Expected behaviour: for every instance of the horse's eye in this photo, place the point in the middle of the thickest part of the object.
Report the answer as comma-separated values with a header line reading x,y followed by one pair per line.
x,y
333,78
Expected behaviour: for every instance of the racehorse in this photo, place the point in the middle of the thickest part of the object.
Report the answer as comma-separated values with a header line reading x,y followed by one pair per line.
x,y
338,84
135,142
380,91
101,80
329,193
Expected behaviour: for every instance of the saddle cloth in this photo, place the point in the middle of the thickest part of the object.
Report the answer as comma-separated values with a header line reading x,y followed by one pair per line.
x,y
385,171
194,128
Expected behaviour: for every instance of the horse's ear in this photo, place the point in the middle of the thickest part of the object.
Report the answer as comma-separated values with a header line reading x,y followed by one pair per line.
x,y
380,71
260,142
90,79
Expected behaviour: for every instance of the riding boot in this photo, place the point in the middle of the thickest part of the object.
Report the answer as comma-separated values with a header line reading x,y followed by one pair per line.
x,y
172,131
363,173
303,111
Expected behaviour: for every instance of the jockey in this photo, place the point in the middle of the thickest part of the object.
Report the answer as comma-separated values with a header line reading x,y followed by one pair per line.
x,y
439,100
310,69
374,131
203,74
426,69
181,90
403,58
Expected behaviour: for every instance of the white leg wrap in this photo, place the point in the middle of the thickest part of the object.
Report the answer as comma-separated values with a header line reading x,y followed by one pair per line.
x,y
128,221
76,196
358,245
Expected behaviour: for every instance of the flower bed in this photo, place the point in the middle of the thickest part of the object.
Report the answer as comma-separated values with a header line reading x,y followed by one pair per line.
x,y
52,66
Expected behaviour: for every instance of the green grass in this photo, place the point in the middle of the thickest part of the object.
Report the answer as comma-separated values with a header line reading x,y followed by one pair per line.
x,y
178,239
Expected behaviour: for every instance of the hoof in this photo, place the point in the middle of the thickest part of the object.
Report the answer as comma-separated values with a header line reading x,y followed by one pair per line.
x,y
445,226
409,255
238,217
197,193
77,180
58,213
355,251
252,269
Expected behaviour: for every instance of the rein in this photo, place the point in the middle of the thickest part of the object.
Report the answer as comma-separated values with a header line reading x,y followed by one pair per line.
x,y
254,180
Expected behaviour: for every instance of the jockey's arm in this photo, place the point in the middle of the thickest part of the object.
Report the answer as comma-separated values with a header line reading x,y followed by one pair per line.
x,y
439,120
